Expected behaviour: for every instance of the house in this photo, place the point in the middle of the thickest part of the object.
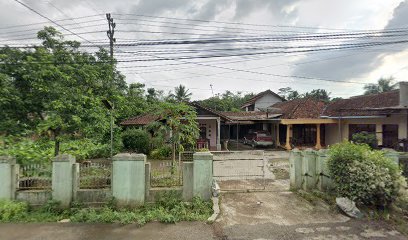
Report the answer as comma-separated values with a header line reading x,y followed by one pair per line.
x,y
261,101
209,123
303,122
308,122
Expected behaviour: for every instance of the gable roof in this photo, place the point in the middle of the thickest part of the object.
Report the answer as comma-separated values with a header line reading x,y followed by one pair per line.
x,y
250,116
299,108
258,96
148,118
363,105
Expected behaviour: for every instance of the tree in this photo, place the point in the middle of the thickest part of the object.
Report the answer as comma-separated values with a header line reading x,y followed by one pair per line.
x,y
181,120
228,101
288,93
57,89
318,94
383,85
181,94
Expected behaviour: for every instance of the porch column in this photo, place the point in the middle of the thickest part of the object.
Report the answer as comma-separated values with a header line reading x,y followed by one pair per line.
x,y
287,145
318,144
379,134
277,135
218,134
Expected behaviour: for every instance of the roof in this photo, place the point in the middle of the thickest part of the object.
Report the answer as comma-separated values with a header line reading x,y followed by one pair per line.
x,y
258,96
363,105
300,108
144,119
249,116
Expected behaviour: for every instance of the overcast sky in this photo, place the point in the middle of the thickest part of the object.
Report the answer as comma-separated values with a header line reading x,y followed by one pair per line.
x,y
342,72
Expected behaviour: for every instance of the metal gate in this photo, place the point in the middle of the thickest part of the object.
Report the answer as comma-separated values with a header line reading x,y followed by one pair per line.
x,y
240,170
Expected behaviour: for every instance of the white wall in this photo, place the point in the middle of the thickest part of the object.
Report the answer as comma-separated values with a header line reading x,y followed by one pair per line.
x,y
266,101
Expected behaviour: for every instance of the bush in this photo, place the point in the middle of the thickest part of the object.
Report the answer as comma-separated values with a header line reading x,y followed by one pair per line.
x,y
365,138
364,175
163,152
136,140
12,211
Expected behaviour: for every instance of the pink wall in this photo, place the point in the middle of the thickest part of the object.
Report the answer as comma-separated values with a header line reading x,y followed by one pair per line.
x,y
211,125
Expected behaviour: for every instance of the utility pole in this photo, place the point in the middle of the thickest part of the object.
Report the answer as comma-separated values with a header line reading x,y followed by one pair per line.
x,y
110,106
212,91
111,33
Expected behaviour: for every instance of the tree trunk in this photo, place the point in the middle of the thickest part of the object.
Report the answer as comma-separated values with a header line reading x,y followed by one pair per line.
x,y
56,141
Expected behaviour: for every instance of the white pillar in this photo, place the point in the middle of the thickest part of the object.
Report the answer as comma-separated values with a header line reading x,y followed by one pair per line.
x,y
378,133
288,131
277,135
218,134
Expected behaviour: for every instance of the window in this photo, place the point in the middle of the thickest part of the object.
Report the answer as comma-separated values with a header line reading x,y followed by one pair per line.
x,y
356,128
251,108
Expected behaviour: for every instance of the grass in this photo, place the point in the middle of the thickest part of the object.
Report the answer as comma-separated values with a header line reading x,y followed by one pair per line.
x,y
169,208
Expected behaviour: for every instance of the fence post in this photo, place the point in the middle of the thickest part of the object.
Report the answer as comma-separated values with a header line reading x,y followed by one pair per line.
x,y
75,182
147,181
188,168
202,174
322,170
295,165
393,155
8,177
128,182
63,179
309,169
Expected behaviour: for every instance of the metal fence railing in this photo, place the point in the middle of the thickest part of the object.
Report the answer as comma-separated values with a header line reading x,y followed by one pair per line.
x,y
166,174
95,175
34,177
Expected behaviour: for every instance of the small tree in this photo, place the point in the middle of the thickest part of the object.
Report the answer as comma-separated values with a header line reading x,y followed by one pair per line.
x,y
136,140
365,138
383,85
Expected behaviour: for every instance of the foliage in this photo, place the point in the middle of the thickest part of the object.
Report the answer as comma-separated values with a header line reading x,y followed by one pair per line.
x,y
136,140
163,152
319,94
365,138
383,85
181,94
27,151
227,101
169,208
181,120
11,211
364,175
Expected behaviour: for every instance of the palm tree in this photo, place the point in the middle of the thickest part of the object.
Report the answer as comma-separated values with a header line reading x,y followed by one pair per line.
x,y
383,85
181,94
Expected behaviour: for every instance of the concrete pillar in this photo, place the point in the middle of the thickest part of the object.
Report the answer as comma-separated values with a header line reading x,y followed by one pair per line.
x,y
309,169
318,144
8,177
288,130
378,133
147,181
128,182
295,169
218,134
277,135
188,176
324,180
63,179
393,155
202,174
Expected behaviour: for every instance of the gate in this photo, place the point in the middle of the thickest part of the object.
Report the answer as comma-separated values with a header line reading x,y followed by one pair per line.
x,y
240,170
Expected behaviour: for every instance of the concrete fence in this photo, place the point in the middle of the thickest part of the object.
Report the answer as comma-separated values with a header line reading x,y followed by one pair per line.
x,y
130,182
309,171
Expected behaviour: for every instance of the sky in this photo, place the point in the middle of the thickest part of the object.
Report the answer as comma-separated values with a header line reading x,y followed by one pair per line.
x,y
260,65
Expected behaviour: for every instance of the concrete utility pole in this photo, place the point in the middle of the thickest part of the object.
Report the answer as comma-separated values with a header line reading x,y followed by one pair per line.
x,y
111,32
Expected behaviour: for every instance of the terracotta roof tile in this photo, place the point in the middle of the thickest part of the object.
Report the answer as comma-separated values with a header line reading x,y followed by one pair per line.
x,y
140,120
360,105
300,108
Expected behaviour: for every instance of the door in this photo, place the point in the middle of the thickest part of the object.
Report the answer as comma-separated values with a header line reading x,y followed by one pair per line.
x,y
390,135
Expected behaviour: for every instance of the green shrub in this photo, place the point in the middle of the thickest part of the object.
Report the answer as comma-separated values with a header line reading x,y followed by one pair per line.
x,y
365,138
364,175
12,211
163,152
136,140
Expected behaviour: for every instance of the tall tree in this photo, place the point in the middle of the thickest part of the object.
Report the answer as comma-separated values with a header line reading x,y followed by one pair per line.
x,y
383,85
288,93
319,94
228,101
58,89
181,94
